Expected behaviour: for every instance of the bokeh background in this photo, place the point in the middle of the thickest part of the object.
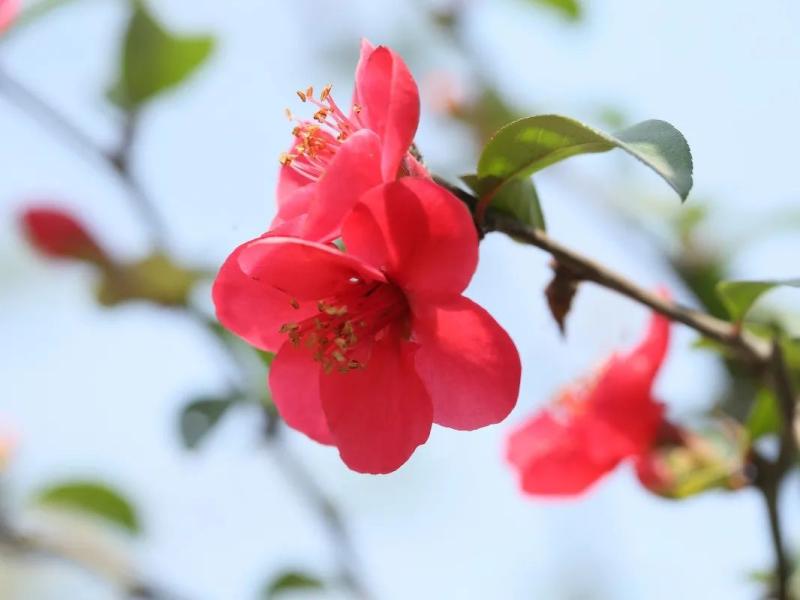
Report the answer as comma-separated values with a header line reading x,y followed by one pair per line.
x,y
92,392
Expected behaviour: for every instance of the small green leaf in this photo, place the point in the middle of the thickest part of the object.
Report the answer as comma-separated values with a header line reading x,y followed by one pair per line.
x,y
94,499
291,581
740,296
765,416
518,198
198,418
154,59
528,145
570,10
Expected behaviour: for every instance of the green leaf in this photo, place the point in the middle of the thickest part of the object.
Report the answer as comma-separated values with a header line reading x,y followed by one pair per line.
x,y
740,296
154,59
570,10
528,145
291,581
198,418
518,198
92,498
765,416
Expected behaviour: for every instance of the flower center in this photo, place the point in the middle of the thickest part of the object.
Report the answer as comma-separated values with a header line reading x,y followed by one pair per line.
x,y
318,139
338,335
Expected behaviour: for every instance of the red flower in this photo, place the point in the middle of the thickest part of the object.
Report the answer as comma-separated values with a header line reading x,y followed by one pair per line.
x,y
337,151
56,233
595,424
376,344
8,12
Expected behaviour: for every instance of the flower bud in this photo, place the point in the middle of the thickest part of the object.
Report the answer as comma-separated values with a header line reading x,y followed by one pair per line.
x,y
684,463
56,233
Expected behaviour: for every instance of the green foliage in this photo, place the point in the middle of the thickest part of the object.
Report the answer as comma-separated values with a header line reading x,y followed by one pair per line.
x,y
740,296
528,145
765,415
94,499
291,581
199,417
155,278
518,198
571,10
154,59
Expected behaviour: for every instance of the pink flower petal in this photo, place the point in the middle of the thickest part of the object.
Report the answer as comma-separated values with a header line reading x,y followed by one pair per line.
x,y
469,364
418,233
379,414
552,457
389,101
294,383
253,309
354,169
306,271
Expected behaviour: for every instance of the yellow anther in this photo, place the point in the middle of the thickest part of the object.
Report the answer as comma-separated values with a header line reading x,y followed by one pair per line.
x,y
326,91
302,96
285,158
310,91
289,114
321,115
338,356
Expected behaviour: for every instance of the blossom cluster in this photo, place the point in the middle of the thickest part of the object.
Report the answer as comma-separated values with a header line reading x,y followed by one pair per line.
x,y
358,284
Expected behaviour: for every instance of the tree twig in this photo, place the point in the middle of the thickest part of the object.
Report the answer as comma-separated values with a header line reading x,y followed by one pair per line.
x,y
21,544
54,121
746,345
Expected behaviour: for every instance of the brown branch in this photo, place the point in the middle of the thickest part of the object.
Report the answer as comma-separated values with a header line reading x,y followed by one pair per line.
x,y
584,268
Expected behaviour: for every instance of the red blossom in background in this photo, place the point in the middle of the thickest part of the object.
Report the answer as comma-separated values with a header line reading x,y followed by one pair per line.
x,y
56,233
9,9
595,424
353,151
376,344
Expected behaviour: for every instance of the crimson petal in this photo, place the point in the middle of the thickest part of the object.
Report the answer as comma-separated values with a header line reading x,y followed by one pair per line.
x,y
468,362
379,414
418,233
294,383
252,309
389,101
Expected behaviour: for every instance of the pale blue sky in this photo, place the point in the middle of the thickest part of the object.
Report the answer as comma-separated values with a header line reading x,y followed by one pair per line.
x,y
95,392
